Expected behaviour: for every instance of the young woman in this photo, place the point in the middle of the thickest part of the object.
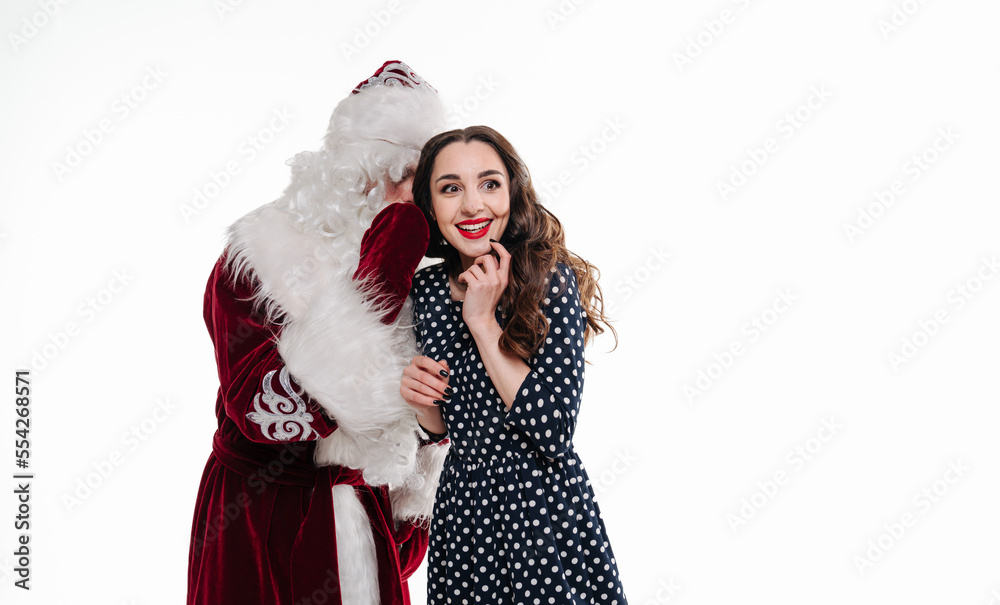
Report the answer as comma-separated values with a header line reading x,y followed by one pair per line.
x,y
503,322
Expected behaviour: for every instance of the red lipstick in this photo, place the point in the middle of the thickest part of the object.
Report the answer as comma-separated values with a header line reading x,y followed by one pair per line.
x,y
474,229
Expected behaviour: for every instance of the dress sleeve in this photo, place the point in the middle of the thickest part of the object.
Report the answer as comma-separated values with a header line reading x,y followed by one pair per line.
x,y
546,404
418,336
257,392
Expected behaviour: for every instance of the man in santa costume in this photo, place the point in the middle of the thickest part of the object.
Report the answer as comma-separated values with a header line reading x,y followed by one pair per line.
x,y
321,481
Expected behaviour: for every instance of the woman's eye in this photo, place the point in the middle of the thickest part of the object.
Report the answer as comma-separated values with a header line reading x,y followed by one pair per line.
x,y
491,185
449,189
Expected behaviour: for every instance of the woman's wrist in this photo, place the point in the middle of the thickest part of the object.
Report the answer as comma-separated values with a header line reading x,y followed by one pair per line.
x,y
432,423
432,436
485,330
437,430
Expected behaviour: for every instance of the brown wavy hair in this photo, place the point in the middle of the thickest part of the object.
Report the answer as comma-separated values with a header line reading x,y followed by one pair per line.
x,y
534,237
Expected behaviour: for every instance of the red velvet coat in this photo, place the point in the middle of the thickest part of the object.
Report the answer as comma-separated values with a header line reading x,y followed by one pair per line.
x,y
264,525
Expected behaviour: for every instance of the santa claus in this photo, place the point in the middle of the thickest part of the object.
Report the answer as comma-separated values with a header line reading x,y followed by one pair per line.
x,y
321,481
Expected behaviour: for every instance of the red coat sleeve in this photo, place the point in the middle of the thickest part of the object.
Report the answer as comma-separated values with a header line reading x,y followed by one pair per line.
x,y
256,390
390,252
413,546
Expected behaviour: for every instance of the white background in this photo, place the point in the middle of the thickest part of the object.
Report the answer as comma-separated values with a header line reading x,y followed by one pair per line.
x,y
682,479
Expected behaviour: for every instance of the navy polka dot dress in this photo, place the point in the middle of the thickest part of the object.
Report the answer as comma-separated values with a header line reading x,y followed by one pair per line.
x,y
515,520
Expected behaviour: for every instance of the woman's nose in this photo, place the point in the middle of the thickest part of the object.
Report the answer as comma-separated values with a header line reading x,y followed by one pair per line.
x,y
472,203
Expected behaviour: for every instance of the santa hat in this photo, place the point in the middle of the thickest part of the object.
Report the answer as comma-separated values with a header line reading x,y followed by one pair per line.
x,y
394,105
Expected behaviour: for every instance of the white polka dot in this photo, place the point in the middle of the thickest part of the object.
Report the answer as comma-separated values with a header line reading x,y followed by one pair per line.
x,y
499,487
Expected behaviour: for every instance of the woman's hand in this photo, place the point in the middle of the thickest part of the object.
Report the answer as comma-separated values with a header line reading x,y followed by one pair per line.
x,y
425,387
486,281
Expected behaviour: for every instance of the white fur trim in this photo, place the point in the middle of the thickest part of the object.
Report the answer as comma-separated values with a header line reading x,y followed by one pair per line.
x,y
355,549
414,502
301,250
333,341
352,364
287,263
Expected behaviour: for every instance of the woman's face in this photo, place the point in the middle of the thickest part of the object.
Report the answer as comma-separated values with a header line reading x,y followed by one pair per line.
x,y
470,198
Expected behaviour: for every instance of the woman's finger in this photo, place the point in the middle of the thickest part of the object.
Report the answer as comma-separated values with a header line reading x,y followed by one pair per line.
x,y
489,263
435,384
426,363
415,391
504,266
431,384
473,275
428,371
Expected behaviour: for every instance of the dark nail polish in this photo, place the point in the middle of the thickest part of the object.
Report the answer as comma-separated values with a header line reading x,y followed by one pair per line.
x,y
443,373
449,391
438,402
493,240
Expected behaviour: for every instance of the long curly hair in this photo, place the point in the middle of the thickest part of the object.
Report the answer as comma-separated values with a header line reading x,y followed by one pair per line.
x,y
536,242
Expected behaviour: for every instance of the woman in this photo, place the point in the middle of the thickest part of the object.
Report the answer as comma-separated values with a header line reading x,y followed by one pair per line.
x,y
503,322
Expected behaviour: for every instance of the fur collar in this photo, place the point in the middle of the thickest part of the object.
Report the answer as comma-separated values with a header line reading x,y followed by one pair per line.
x,y
334,343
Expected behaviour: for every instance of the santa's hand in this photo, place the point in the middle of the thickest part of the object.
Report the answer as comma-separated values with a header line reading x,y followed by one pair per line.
x,y
425,388
390,252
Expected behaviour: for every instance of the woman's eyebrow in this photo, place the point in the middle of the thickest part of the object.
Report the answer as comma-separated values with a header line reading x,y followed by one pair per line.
x,y
457,178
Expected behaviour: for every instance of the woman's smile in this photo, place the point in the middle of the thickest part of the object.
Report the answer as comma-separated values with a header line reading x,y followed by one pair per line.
x,y
474,229
470,198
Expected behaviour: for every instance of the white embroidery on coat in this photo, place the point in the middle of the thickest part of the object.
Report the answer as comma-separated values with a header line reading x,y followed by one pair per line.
x,y
289,416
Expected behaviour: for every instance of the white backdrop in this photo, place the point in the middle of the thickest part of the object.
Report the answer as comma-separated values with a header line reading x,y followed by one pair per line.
x,y
793,205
